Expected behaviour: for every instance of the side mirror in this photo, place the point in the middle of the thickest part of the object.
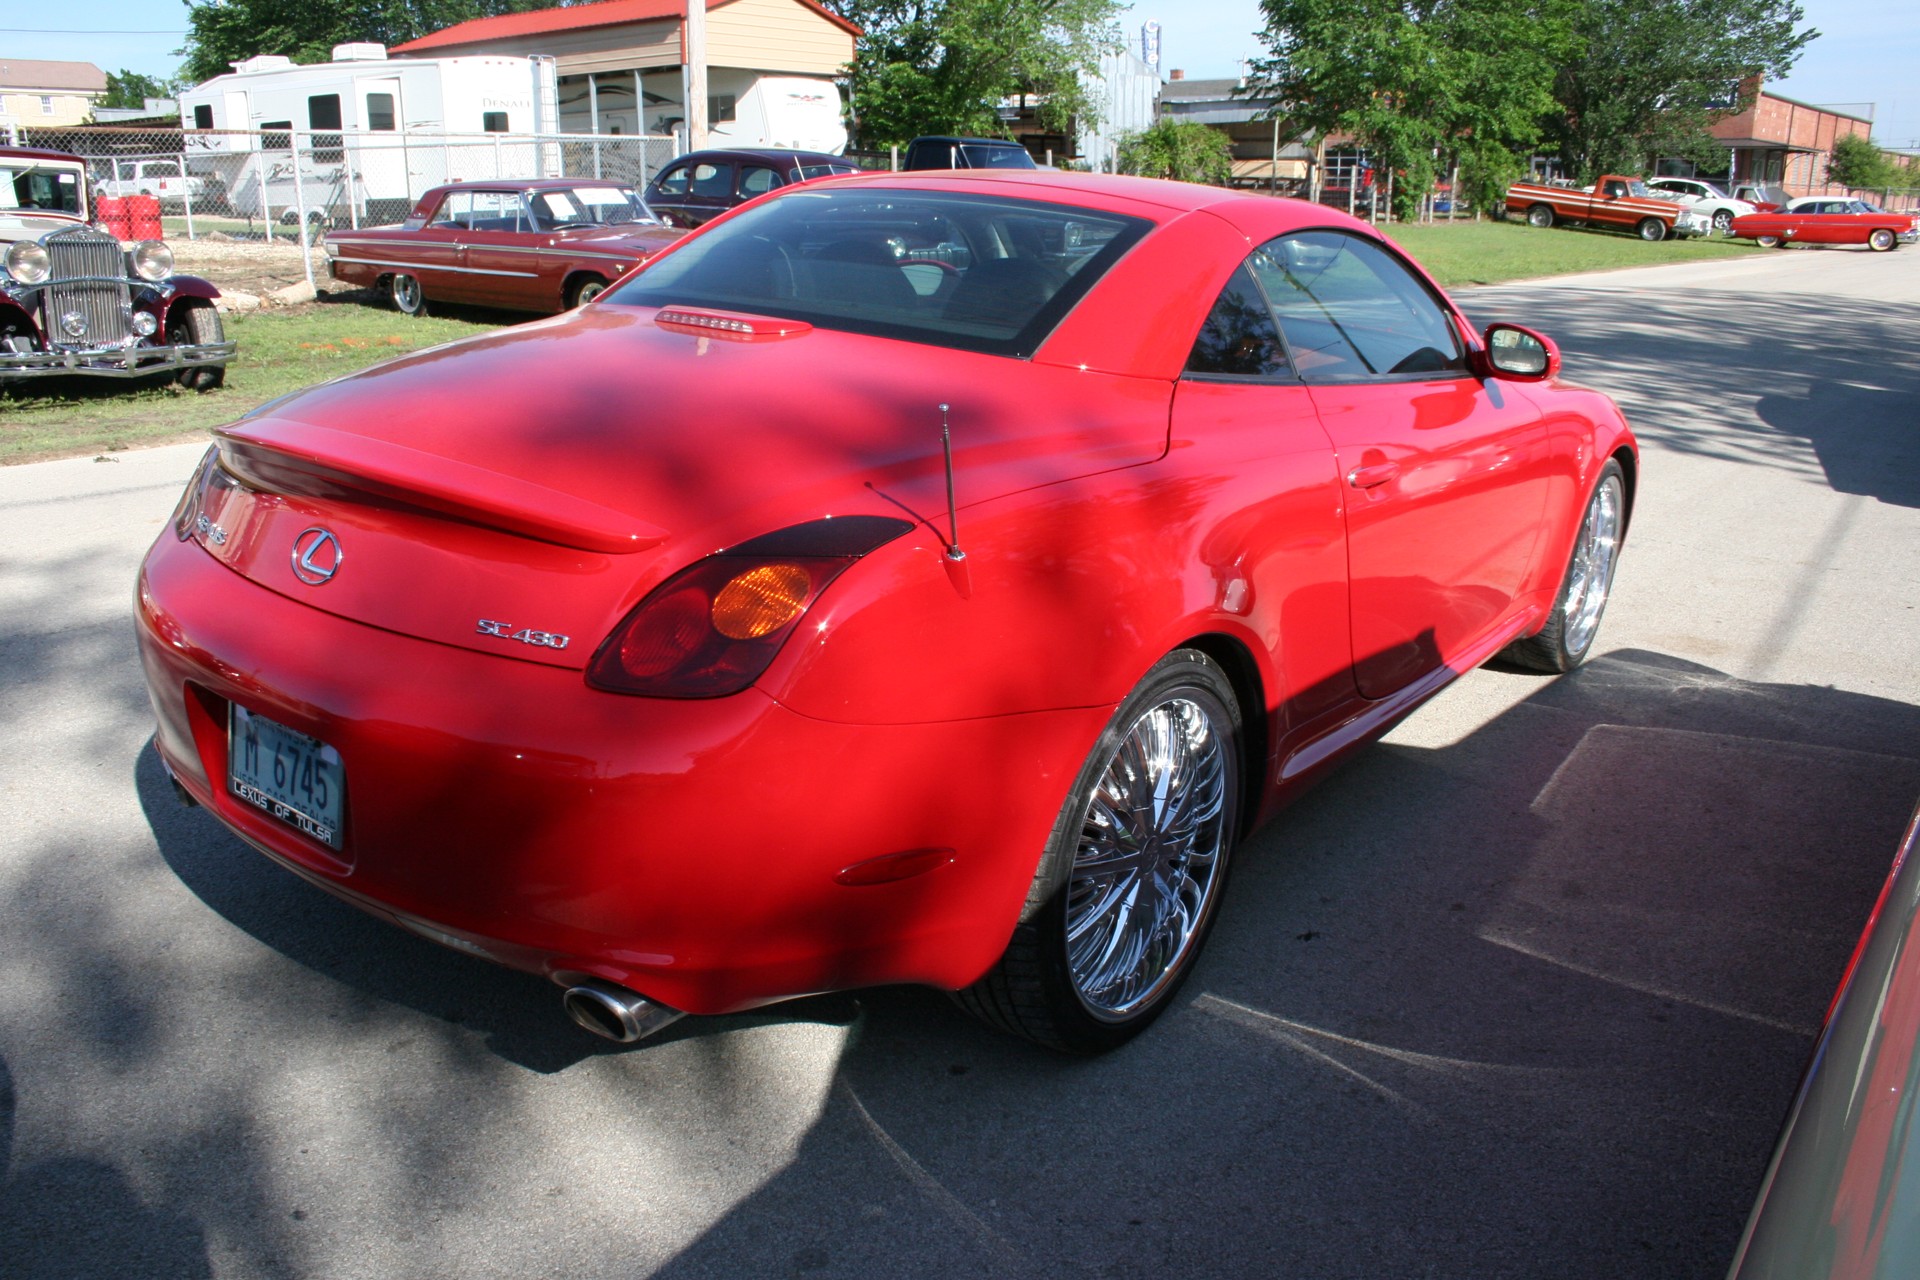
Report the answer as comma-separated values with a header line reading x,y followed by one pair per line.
x,y
1520,354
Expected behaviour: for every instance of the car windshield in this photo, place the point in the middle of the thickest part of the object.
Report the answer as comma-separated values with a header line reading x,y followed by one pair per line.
x,y
982,273
589,204
30,186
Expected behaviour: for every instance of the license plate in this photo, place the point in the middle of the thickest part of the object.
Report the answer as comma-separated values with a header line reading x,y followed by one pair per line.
x,y
281,771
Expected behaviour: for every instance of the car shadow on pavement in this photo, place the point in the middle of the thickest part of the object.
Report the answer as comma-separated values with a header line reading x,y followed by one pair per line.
x,y
1532,1002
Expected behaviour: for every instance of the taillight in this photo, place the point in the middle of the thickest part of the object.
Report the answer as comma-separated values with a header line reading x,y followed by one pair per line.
x,y
191,518
188,511
712,628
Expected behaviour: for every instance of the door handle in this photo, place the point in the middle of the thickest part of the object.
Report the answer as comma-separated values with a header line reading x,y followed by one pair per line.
x,y
1369,477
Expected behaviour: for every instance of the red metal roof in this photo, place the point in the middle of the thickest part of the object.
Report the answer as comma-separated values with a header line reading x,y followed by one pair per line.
x,y
605,13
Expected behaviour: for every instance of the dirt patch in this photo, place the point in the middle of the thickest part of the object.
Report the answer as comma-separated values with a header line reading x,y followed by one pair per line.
x,y
238,267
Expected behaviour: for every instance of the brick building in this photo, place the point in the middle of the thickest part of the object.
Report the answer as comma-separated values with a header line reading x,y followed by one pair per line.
x,y
1778,142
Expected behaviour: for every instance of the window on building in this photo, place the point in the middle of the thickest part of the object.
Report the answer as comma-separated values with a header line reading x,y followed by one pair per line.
x,y
203,116
46,104
380,112
720,108
494,122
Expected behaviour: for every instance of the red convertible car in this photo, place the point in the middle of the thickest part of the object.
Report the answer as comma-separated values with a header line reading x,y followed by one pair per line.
x,y
906,579
1817,220
543,245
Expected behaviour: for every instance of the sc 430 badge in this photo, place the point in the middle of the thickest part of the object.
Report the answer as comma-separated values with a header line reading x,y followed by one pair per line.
x,y
525,635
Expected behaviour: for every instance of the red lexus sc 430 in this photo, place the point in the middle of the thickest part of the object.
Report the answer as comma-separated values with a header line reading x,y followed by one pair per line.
x,y
904,579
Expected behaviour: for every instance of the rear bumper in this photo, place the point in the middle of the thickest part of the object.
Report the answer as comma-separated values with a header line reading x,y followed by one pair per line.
x,y
685,849
113,362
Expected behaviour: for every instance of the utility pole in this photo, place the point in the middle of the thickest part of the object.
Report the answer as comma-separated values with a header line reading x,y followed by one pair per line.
x,y
696,60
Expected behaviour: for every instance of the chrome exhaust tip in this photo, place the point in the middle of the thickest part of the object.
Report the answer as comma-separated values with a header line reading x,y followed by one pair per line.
x,y
616,1013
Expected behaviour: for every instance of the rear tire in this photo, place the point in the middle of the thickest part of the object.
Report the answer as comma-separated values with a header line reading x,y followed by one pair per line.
x,y
1540,215
585,289
1567,638
1880,240
409,299
1723,221
1769,242
1652,230
1131,876
196,325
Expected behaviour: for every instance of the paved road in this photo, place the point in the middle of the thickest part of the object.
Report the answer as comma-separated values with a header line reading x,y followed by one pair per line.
x,y
1522,992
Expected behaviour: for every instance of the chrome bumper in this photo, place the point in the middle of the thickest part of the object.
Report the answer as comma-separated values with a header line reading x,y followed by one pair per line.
x,y
112,362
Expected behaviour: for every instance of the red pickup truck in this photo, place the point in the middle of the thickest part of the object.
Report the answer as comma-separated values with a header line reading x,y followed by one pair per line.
x,y
1613,201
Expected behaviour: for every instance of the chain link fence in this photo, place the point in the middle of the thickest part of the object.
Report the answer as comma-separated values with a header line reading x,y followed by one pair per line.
x,y
287,186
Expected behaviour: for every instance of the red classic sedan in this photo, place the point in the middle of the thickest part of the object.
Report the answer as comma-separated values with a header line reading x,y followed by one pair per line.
x,y
543,245
910,578
1820,220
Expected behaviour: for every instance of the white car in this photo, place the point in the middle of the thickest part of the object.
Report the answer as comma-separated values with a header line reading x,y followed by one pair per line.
x,y
1704,198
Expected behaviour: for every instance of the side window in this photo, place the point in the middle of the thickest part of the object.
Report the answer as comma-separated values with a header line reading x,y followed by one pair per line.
x,y
1351,312
674,182
1615,190
203,116
1239,339
757,180
493,122
454,211
712,181
380,112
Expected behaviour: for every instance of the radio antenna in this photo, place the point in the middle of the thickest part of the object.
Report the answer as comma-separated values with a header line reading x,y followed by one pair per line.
x,y
953,512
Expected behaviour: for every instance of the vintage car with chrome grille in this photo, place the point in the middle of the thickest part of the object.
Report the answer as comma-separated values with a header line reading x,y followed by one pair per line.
x,y
548,244
74,300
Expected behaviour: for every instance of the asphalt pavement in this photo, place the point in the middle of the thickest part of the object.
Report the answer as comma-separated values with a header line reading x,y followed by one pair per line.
x,y
1522,991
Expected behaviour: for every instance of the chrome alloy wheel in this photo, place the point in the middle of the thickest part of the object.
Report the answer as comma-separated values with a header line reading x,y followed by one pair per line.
x,y
1592,575
1152,848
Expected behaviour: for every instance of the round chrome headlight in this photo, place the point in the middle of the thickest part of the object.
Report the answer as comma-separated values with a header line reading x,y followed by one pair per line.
x,y
152,260
28,263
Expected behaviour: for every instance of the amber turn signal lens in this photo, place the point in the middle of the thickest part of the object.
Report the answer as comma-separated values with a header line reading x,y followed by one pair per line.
x,y
761,601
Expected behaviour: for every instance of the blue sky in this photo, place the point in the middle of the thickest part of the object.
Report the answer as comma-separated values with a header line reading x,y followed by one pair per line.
x,y
1864,62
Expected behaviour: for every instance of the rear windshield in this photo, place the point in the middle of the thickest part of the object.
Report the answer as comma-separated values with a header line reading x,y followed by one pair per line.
x,y
982,273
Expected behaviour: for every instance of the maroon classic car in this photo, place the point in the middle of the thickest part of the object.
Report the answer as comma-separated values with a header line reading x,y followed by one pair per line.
x,y
1825,220
543,244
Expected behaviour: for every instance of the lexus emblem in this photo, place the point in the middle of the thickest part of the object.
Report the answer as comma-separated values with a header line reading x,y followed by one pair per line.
x,y
316,556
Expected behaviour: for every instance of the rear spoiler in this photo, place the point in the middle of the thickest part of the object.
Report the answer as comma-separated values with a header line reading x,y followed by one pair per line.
x,y
298,460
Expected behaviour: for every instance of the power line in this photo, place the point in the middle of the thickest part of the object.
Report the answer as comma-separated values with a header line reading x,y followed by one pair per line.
x,y
74,31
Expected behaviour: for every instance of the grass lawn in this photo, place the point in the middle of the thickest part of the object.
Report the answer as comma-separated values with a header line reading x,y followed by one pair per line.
x,y
280,351
1468,253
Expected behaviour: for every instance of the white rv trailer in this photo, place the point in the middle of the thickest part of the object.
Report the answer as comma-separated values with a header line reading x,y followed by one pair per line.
x,y
354,116
743,110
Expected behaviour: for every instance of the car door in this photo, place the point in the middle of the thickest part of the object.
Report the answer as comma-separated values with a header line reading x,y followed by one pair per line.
x,y
692,190
1250,432
1445,477
501,254
433,252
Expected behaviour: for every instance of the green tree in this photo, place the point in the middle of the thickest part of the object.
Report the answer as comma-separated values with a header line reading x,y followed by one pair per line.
x,y
1857,164
943,66
1183,151
1420,84
220,32
131,89
1649,77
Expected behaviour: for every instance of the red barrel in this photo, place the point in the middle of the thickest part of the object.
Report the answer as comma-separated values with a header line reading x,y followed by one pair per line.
x,y
111,213
143,215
